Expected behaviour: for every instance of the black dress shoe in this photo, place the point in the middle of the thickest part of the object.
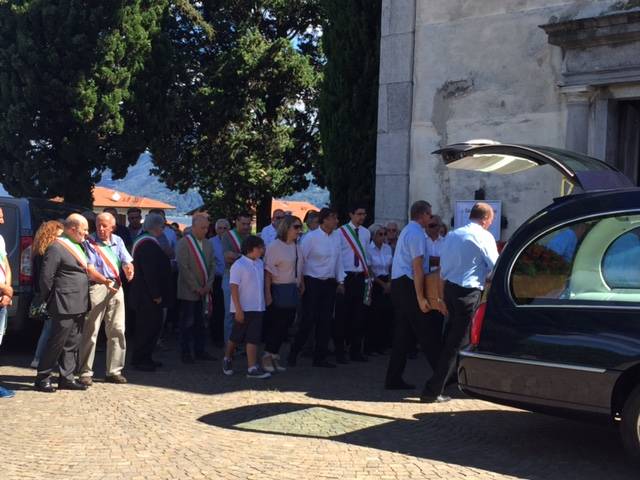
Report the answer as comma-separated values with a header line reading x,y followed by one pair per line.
x,y
358,357
44,386
67,385
401,385
323,364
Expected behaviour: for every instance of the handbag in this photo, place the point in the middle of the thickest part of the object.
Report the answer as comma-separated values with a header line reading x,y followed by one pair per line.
x,y
285,295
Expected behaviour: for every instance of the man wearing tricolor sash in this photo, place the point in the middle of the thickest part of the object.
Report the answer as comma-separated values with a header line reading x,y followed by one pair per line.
x,y
108,255
196,274
231,247
349,322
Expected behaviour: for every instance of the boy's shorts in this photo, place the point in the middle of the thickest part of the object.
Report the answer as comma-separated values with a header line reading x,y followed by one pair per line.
x,y
249,331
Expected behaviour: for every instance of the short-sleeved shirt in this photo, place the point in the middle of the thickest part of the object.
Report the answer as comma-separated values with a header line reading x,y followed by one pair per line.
x,y
380,259
349,261
284,262
412,243
268,234
116,247
468,256
249,276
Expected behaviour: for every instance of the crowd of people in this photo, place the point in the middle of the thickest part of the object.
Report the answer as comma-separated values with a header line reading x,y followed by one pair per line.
x,y
341,293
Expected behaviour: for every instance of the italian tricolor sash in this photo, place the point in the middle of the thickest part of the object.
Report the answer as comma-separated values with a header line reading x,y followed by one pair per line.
x,y
108,257
198,254
354,242
236,241
145,237
75,249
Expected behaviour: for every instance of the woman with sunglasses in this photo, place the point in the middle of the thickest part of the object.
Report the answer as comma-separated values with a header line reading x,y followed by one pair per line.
x,y
380,330
284,286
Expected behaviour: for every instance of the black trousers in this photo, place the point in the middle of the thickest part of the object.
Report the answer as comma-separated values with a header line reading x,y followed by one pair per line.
x,y
278,322
461,303
216,322
412,324
348,327
148,328
379,320
62,347
317,309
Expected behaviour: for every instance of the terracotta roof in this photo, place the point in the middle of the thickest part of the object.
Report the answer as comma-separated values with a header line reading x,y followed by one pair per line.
x,y
106,197
299,209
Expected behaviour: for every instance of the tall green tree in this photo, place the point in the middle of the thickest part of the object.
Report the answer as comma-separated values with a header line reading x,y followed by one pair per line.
x,y
237,117
66,74
349,101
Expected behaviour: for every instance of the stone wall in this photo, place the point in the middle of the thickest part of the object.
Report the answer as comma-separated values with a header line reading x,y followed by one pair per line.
x,y
454,70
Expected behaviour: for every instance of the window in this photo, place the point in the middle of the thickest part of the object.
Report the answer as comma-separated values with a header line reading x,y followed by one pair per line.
x,y
588,262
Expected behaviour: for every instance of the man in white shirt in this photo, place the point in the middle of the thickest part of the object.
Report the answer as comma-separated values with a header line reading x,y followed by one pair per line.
x,y
412,321
323,272
268,233
350,307
468,257
434,244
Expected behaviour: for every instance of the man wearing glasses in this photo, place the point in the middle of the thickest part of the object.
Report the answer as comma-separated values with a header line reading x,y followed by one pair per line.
x,y
268,233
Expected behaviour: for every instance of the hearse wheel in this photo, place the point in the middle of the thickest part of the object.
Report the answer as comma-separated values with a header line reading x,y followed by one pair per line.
x,y
630,426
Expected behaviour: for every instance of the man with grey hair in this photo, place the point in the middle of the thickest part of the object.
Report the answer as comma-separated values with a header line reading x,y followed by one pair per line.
x,y
150,291
109,256
196,274
64,282
392,235
216,329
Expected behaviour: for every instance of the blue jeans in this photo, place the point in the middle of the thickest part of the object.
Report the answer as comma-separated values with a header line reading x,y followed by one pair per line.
x,y
192,327
3,322
44,336
228,319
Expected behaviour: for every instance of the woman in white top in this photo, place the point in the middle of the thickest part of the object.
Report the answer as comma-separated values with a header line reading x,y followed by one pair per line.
x,y
284,287
380,328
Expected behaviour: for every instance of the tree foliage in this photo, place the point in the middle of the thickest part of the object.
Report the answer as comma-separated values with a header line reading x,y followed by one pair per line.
x,y
66,73
349,101
237,117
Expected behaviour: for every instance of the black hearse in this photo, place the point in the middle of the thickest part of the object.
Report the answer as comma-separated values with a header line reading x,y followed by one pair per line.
x,y
558,329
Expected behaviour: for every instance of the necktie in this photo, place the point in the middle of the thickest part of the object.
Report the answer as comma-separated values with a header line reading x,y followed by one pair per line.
x,y
356,261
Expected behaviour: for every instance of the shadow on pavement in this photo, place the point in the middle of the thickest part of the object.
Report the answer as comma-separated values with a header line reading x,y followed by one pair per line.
x,y
513,443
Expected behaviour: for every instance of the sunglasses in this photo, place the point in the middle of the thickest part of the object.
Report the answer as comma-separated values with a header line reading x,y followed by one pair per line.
x,y
433,225
297,227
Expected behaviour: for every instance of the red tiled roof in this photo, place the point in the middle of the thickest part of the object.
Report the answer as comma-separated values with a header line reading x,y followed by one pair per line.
x,y
106,197
299,209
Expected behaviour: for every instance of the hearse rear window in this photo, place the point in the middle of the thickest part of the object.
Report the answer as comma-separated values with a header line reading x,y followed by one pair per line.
x,y
595,261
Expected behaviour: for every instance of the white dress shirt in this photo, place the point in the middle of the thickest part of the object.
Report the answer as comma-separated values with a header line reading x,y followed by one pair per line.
x,y
268,234
322,255
434,249
249,276
348,256
412,243
380,259
468,256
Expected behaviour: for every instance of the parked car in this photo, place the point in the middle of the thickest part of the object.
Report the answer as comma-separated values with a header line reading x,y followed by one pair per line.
x,y
22,217
558,329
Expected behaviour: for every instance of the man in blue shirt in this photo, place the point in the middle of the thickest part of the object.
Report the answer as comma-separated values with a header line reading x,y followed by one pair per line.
x,y
108,256
468,256
222,226
410,304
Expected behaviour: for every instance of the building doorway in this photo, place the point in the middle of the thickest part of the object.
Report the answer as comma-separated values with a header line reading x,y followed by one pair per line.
x,y
628,147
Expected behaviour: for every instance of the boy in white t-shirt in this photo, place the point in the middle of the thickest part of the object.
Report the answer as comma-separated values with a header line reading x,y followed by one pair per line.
x,y
247,306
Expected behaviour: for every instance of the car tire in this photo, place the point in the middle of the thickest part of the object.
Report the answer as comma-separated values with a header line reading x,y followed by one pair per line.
x,y
630,425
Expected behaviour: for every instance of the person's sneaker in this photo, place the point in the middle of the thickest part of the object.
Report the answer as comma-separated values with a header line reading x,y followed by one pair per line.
x,y
257,372
268,363
227,367
276,364
6,393
34,363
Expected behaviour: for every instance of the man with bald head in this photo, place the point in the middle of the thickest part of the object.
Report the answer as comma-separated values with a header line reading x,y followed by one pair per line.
x,y
196,274
467,258
64,283
110,259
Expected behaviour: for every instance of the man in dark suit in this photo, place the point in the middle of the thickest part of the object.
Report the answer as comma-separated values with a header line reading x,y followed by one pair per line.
x,y
64,283
151,291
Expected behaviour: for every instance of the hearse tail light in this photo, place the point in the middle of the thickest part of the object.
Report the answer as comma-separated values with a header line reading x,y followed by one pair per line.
x,y
478,317
25,260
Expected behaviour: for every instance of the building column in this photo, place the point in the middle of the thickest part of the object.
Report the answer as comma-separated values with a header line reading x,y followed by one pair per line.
x,y
578,108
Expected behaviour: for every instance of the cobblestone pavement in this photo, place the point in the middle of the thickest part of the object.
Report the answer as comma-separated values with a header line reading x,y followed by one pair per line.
x,y
191,422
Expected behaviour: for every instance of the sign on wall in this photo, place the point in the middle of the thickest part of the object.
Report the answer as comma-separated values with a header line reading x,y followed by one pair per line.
x,y
463,209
